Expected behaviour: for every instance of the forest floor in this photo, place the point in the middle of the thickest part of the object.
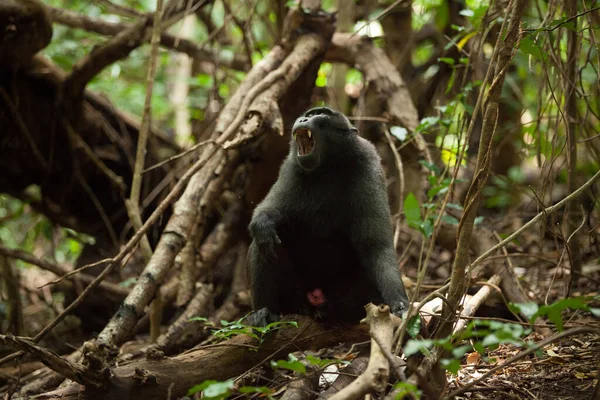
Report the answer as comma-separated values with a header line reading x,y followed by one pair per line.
x,y
564,370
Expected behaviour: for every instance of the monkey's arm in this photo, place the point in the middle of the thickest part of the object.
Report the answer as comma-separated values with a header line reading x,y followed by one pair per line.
x,y
372,238
266,218
265,266
378,260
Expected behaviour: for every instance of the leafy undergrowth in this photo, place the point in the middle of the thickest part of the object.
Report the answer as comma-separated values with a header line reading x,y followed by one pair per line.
x,y
567,369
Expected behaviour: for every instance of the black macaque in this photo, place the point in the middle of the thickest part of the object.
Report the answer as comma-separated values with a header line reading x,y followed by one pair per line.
x,y
322,237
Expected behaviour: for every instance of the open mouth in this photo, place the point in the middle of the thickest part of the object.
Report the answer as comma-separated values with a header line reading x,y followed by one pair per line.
x,y
305,140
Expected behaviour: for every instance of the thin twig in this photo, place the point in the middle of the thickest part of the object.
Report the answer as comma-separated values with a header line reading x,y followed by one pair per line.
x,y
178,156
539,216
563,22
136,184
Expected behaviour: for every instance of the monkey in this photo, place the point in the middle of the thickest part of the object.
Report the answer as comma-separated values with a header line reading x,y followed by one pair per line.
x,y
322,238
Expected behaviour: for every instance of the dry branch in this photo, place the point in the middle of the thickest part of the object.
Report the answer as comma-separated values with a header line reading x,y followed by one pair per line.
x,y
375,377
216,242
213,247
132,204
57,363
115,49
572,122
60,271
474,302
194,50
349,374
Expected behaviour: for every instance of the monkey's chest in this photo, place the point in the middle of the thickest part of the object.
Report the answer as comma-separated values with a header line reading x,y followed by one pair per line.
x,y
319,258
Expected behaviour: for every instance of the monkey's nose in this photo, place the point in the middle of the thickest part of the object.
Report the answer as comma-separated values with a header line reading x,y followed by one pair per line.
x,y
301,120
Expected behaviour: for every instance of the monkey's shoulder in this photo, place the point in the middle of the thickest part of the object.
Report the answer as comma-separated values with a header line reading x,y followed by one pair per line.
x,y
367,148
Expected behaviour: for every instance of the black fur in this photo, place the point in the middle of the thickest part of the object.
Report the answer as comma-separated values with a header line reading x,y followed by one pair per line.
x,y
325,224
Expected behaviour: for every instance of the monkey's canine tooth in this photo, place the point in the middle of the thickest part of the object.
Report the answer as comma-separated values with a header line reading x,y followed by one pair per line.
x,y
309,134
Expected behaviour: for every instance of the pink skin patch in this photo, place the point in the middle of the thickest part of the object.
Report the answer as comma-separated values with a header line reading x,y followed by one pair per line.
x,y
316,298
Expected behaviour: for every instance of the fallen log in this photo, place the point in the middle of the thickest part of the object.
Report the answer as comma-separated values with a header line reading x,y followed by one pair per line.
x,y
172,377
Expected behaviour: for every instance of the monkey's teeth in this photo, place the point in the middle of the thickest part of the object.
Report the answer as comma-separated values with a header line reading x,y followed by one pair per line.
x,y
309,134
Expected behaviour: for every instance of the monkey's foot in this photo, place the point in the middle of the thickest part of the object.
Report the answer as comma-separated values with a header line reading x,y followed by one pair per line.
x,y
262,317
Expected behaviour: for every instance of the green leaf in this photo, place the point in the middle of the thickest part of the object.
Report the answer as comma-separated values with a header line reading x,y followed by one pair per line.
x,y
466,13
431,193
412,210
414,326
479,347
413,346
452,366
449,219
432,167
321,81
280,324
204,80
399,133
427,227
322,362
128,282
213,389
527,309
448,88
256,389
403,389
528,46
354,76
218,390
561,22
223,91
295,366
442,15
454,206
201,319
553,311
426,123
460,351
595,312
447,60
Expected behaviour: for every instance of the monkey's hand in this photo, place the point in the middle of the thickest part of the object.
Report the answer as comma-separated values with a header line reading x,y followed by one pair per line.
x,y
263,231
399,308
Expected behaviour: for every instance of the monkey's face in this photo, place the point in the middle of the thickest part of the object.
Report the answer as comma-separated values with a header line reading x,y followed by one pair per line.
x,y
319,135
